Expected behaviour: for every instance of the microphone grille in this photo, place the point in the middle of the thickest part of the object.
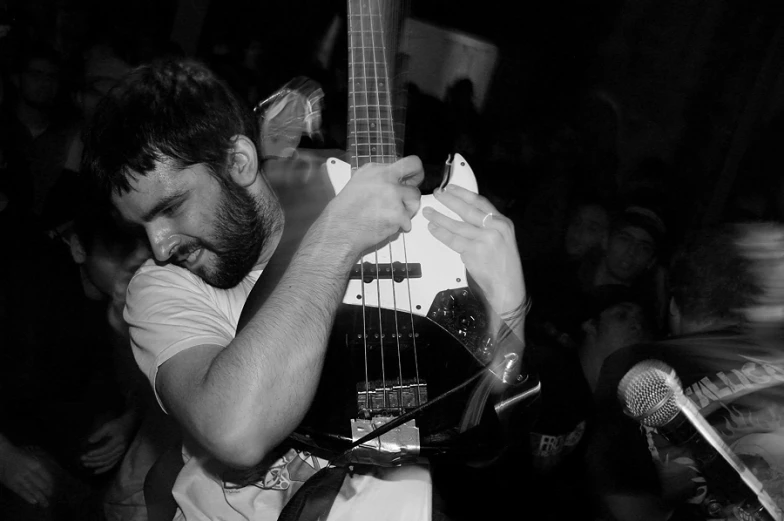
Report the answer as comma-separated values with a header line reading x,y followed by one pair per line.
x,y
647,393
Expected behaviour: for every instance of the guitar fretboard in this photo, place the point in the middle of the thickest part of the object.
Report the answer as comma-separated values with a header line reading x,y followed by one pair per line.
x,y
371,132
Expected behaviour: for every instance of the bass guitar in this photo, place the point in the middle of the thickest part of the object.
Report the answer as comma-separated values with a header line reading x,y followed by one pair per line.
x,y
410,347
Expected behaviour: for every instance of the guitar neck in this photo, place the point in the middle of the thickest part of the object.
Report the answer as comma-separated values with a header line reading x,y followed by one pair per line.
x,y
372,136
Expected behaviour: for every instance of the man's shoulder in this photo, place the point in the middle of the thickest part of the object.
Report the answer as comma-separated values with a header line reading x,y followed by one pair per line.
x,y
158,284
164,275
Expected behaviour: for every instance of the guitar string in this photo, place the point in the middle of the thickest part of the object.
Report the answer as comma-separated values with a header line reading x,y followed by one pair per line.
x,y
387,92
356,160
375,252
381,83
417,381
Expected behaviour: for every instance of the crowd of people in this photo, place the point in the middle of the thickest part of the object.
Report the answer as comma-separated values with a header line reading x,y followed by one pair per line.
x,y
143,377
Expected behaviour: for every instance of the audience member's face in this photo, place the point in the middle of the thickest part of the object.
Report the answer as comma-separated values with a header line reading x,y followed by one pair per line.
x,y
110,267
630,252
39,83
587,230
214,231
617,327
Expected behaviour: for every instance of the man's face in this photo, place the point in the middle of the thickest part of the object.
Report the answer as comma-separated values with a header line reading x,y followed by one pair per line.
x,y
630,252
110,267
215,230
587,230
39,83
617,326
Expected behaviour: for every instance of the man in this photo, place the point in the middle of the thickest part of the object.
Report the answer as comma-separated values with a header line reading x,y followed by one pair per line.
x,y
632,248
40,123
730,366
68,411
178,154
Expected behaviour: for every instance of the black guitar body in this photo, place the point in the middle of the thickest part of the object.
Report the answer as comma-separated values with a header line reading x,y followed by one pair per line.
x,y
441,362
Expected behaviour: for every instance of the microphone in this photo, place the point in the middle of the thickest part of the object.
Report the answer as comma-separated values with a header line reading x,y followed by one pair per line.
x,y
651,393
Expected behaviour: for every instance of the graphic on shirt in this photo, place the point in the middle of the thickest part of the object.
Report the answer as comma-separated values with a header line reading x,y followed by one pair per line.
x,y
549,450
294,466
749,421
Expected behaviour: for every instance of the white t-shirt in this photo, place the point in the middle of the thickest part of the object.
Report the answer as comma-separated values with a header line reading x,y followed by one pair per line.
x,y
168,310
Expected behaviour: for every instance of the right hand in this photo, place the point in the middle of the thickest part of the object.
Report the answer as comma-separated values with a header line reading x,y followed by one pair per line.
x,y
377,202
25,475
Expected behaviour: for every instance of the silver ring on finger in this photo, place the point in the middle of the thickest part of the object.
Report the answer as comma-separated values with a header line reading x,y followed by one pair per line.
x,y
484,221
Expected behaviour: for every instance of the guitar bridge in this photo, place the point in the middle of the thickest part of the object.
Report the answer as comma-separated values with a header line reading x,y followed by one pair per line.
x,y
375,398
400,443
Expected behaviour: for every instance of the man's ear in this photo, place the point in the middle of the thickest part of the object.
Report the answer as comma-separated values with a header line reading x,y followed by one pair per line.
x,y
78,252
245,161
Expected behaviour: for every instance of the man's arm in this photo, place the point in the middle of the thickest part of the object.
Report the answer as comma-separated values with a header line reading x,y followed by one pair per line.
x,y
241,401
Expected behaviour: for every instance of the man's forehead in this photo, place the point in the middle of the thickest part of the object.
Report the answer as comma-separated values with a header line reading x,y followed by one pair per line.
x,y
148,189
641,234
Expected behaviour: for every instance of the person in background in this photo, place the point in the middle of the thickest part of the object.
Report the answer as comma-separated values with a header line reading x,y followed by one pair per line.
x,y
41,122
725,349
67,416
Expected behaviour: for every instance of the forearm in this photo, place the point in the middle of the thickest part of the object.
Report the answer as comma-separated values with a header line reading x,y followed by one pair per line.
x,y
260,386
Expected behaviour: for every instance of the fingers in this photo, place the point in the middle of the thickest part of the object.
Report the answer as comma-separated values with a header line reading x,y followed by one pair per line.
x,y
456,242
32,494
407,171
469,198
35,487
106,468
439,221
96,460
470,207
41,479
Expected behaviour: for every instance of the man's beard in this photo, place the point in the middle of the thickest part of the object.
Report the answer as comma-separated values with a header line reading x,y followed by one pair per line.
x,y
242,226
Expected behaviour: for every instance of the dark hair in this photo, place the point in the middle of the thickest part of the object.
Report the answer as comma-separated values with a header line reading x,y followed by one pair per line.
x,y
643,218
96,222
709,278
174,110
36,51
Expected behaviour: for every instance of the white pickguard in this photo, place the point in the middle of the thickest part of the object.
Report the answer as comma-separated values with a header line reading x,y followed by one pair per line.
x,y
442,268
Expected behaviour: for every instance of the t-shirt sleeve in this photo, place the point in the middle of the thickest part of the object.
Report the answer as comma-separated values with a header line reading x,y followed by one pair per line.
x,y
168,311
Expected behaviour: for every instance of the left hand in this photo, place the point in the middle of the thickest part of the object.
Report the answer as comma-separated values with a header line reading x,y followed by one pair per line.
x,y
486,244
114,437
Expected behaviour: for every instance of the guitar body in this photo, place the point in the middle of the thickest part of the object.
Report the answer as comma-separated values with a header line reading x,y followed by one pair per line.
x,y
397,343
410,346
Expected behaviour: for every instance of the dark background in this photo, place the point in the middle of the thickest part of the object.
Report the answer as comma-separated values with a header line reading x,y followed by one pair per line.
x,y
695,84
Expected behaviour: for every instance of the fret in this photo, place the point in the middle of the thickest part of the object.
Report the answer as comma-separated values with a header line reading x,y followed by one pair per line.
x,y
362,40
377,114
371,138
365,62
380,112
371,130
370,100
376,158
366,128
360,85
388,147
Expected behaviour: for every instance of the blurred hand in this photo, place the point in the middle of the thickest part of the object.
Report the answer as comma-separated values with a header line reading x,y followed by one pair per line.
x,y
113,439
377,202
25,475
486,242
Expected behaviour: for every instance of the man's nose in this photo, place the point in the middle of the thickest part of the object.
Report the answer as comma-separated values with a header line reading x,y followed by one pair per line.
x,y
163,243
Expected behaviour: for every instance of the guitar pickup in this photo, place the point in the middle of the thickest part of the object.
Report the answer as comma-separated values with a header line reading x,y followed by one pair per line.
x,y
398,271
